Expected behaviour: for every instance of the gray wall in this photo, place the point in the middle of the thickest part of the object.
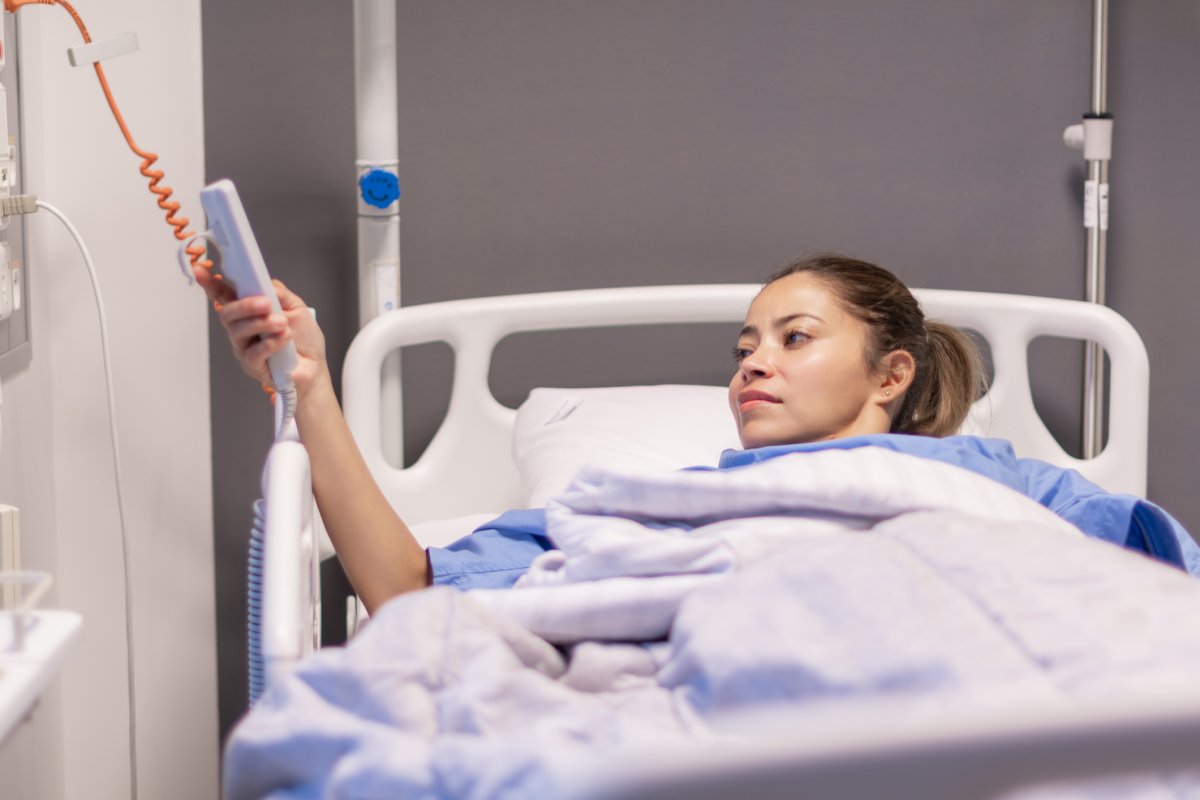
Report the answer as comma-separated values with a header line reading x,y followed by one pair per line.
x,y
553,145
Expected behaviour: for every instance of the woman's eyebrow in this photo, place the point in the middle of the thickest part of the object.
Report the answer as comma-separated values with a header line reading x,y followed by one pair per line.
x,y
791,318
779,323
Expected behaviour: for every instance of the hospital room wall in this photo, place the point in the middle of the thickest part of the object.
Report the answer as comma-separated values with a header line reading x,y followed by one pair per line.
x,y
548,145
56,455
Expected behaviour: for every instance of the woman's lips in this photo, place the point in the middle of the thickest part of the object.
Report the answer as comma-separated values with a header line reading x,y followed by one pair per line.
x,y
750,400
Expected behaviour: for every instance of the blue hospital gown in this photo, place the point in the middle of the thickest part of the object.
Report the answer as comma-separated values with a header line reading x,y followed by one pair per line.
x,y
499,552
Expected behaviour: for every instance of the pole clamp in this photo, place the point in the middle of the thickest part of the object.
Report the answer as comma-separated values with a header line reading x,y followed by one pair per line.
x,y
1093,136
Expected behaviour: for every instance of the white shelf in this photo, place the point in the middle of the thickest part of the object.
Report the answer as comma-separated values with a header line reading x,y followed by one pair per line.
x,y
25,673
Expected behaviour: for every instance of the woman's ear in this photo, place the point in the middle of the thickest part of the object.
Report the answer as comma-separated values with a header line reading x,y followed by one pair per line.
x,y
898,369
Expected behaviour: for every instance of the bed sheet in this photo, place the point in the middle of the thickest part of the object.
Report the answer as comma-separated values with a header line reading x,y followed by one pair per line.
x,y
847,592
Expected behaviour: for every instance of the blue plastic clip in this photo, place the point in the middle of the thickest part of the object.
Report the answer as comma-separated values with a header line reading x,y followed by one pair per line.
x,y
379,188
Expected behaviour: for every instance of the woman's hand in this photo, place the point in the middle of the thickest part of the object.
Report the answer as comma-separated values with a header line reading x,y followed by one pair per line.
x,y
256,333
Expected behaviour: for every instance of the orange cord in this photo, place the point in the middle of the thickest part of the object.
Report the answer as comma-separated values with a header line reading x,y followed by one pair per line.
x,y
196,251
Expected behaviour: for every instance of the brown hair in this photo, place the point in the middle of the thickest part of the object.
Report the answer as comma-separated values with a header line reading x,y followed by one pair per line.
x,y
949,371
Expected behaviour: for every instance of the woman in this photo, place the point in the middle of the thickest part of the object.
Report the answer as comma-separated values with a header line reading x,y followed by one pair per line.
x,y
835,352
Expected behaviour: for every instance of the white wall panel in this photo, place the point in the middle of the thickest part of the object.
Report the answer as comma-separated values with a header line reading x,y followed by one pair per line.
x,y
61,465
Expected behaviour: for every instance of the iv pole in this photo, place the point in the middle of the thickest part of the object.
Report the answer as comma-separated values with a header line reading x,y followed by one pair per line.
x,y
1094,137
378,167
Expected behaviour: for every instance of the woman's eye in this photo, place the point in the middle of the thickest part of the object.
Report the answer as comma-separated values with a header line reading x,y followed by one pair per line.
x,y
795,337
740,353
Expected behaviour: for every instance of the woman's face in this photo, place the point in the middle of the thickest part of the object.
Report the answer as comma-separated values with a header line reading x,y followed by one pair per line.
x,y
801,374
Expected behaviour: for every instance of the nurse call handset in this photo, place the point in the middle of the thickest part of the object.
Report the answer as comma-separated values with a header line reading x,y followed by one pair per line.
x,y
242,267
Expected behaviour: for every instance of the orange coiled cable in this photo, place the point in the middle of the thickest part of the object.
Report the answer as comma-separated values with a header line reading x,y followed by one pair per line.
x,y
196,251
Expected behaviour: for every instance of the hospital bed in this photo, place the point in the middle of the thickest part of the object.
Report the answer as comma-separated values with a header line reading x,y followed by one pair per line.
x,y
474,468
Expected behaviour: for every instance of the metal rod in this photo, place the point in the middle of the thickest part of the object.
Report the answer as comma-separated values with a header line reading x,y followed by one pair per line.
x,y
1097,242
1100,57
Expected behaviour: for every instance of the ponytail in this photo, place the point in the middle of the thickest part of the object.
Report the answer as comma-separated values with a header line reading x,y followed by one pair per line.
x,y
946,384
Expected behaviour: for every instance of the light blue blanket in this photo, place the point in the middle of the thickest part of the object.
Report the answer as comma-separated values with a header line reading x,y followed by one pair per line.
x,y
444,695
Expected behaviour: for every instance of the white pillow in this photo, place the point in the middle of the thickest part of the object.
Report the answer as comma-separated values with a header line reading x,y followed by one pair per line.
x,y
646,428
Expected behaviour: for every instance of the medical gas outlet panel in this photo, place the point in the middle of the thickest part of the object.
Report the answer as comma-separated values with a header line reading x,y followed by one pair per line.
x,y
14,308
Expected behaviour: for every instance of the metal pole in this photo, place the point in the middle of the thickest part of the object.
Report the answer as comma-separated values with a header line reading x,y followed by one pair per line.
x,y
1096,224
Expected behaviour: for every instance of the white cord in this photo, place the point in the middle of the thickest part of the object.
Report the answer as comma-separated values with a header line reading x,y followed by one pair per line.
x,y
285,413
112,426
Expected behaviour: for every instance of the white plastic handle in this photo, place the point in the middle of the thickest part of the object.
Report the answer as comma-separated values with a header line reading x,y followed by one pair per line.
x,y
185,260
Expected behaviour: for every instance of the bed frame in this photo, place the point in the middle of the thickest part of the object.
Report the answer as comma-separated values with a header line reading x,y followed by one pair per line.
x,y
468,468
474,442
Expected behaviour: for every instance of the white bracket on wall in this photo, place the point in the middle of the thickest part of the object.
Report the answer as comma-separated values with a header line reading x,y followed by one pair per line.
x,y
1094,137
85,55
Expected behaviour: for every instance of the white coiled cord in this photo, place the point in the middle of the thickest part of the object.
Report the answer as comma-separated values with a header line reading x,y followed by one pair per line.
x,y
254,609
285,411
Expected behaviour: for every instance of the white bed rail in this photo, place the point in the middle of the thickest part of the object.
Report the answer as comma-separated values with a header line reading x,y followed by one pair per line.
x,y
965,754
468,466
1010,323
291,597
474,443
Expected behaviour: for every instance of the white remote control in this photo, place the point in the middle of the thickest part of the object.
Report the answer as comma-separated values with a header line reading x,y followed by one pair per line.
x,y
241,264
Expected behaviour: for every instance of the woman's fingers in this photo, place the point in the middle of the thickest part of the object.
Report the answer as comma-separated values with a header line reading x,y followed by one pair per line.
x,y
254,357
244,331
254,331
287,298
235,311
217,290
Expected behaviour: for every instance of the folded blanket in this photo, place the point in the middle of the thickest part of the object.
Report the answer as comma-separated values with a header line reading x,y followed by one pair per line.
x,y
612,530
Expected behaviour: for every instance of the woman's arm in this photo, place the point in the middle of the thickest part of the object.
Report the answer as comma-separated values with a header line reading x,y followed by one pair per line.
x,y
379,553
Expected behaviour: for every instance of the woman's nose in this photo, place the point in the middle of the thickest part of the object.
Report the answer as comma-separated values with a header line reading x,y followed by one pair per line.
x,y
755,365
